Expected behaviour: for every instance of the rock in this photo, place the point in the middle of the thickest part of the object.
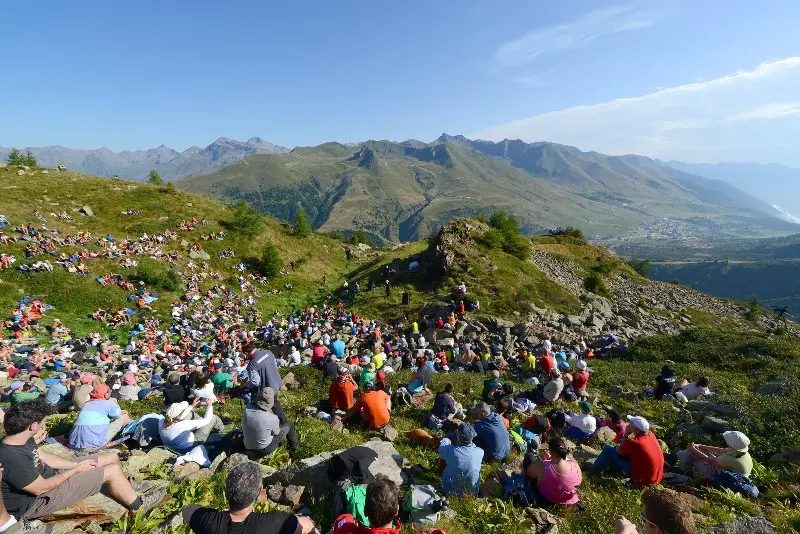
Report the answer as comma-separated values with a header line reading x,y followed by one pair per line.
x,y
199,255
543,522
58,449
594,319
774,388
706,406
20,172
86,210
165,218
232,461
95,509
292,495
606,435
745,525
218,461
616,390
290,382
266,471
777,459
388,433
183,472
184,243
198,475
313,472
337,425
275,492
154,457
491,487
584,452
715,424
421,399
138,452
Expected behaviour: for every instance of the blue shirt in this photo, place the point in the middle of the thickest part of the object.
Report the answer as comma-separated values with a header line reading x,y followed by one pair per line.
x,y
462,472
337,347
56,393
92,424
493,433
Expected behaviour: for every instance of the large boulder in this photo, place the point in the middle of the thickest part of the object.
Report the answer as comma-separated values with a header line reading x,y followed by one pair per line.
x,y
154,457
715,424
199,255
313,472
86,210
745,525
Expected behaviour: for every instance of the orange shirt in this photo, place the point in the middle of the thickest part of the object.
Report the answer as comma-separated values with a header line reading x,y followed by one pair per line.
x,y
340,394
373,408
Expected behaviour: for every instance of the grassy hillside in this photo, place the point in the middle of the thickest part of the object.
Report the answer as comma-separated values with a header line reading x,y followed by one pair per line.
x,y
405,191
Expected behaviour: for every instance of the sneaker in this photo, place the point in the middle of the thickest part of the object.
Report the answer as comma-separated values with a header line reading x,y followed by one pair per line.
x,y
29,527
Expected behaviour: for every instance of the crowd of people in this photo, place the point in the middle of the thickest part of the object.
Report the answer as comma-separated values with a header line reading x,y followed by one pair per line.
x,y
216,346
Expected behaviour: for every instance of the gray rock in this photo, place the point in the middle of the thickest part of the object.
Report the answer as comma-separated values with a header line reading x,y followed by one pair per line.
x,y
199,255
313,472
388,433
185,471
218,461
745,525
232,461
153,458
715,424
724,410
583,453
86,210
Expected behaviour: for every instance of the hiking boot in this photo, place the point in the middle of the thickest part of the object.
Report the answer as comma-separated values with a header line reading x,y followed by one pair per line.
x,y
154,498
27,526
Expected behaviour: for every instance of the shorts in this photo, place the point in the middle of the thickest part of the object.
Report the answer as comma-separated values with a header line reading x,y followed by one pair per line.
x,y
74,490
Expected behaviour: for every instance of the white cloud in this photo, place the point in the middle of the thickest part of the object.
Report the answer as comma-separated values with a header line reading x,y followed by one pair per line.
x,y
584,30
716,119
786,215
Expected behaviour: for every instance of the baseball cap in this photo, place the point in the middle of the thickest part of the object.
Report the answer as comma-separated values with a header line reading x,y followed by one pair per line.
x,y
582,365
585,406
639,422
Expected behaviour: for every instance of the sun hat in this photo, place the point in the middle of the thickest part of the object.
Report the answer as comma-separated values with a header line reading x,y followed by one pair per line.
x,y
736,440
582,365
465,433
639,422
99,392
179,410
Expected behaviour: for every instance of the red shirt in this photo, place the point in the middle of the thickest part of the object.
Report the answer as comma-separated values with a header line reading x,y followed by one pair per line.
x,y
346,524
318,354
340,394
646,458
548,363
580,380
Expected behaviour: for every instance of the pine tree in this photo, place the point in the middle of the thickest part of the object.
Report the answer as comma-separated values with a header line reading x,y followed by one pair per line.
x,y
302,228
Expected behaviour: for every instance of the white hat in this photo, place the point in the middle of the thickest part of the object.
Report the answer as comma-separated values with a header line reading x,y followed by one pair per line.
x,y
639,422
179,410
582,365
736,440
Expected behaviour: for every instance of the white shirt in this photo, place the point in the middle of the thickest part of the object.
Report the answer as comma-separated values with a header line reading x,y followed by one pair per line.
x,y
585,422
548,346
206,393
692,391
180,435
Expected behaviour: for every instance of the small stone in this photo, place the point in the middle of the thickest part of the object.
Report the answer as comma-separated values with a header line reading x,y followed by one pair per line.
x,y
292,495
388,433
745,525
275,492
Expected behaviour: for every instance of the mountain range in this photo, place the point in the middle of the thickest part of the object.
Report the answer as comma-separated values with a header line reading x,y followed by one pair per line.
x,y
403,191
136,165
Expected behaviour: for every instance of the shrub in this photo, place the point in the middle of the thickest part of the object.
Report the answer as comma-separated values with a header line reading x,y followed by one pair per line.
x,y
640,266
246,220
360,236
595,284
169,188
154,178
753,307
157,275
493,239
271,262
505,222
517,246
16,157
302,228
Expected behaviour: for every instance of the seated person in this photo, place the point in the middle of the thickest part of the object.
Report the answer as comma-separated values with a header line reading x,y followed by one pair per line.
x,y
462,462
707,461
204,388
553,478
490,385
243,486
367,375
373,407
664,384
36,483
174,391
583,425
663,511
420,378
342,390
381,508
553,389
58,394
99,421
687,391
580,380
181,429
25,393
221,380
614,422
129,390
492,435
263,433
638,456
445,408
330,368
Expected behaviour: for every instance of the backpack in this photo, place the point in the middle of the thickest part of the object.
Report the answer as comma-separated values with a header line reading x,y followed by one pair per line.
x,y
736,482
423,505
401,398
518,441
517,491
557,419
532,441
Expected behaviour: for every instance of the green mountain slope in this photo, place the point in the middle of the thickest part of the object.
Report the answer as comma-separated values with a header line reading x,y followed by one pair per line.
x,y
404,191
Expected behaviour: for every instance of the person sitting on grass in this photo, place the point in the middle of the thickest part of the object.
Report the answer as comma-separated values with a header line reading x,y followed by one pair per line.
x,y
182,429
490,385
686,391
663,512
221,380
708,461
462,462
664,384
445,409
342,390
263,433
99,421
243,486
58,394
173,392
492,435
553,478
381,508
583,425
36,483
638,456
373,407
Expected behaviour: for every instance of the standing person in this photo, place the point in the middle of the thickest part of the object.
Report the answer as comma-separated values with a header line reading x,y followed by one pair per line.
x,y
99,421
638,456
36,483
492,435
381,508
388,285
262,372
462,459
243,486
263,433
554,478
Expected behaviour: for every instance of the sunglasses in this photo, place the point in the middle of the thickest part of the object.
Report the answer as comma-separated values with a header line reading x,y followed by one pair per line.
x,y
648,522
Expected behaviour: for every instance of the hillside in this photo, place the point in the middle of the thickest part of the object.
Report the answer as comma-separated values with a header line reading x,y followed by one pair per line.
x,y
135,165
406,191
528,288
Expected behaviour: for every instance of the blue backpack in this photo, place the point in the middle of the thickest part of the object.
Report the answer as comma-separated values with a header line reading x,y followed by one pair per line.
x,y
736,482
517,490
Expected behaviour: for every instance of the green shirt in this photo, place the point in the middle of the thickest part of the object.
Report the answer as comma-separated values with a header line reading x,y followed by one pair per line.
x,y
22,396
366,376
377,359
742,464
222,381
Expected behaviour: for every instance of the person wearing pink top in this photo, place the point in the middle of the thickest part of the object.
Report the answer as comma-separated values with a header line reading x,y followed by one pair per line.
x,y
554,478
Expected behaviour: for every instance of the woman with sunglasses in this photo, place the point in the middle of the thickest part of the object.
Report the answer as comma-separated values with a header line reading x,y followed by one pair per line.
x,y
663,512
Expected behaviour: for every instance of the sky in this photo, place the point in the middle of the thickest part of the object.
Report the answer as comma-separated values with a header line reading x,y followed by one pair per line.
x,y
695,81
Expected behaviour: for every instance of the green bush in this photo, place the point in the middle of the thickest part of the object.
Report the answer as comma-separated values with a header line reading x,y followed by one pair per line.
x,y
246,220
493,239
640,266
16,157
505,222
360,236
302,228
753,308
595,284
518,246
157,275
155,178
271,262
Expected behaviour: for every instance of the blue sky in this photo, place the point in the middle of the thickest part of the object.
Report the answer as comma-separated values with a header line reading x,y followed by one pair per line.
x,y
698,81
